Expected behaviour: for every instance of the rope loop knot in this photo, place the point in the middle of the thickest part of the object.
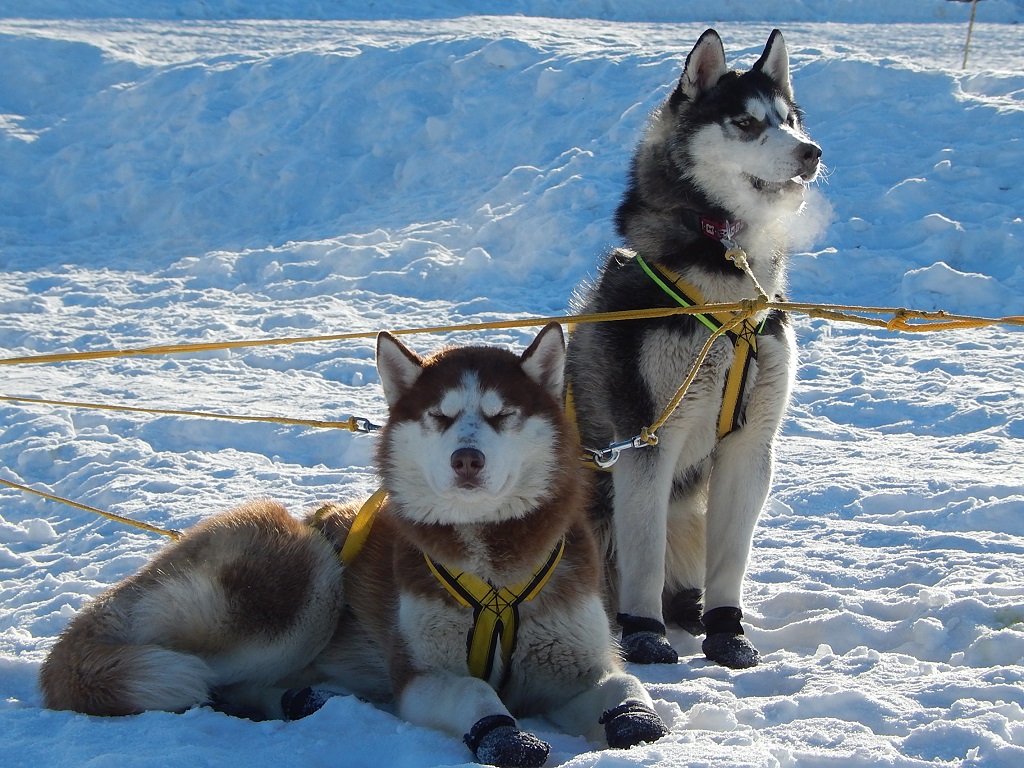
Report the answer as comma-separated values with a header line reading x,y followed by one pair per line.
x,y
899,320
648,438
750,307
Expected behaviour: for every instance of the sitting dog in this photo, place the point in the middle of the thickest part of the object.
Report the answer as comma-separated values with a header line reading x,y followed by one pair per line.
x,y
466,595
721,164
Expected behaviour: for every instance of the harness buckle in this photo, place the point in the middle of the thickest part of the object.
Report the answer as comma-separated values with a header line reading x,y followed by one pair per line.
x,y
604,459
364,425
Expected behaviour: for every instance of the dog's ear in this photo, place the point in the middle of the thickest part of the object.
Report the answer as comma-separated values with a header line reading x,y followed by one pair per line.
x,y
774,62
544,359
397,365
704,66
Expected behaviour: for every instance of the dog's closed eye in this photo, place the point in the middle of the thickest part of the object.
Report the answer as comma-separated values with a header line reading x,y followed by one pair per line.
x,y
501,419
442,420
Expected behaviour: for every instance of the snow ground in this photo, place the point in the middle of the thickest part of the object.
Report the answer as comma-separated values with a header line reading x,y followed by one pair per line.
x,y
180,171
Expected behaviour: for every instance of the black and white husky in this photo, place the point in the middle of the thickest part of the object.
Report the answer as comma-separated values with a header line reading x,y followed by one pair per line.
x,y
474,597
723,162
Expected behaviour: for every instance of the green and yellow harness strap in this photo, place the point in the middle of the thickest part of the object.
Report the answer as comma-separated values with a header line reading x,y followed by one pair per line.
x,y
744,340
495,610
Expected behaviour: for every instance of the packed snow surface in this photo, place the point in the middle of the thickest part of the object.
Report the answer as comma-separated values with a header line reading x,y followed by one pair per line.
x,y
176,171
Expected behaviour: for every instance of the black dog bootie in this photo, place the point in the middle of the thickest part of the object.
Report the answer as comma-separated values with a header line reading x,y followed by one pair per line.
x,y
497,740
630,724
644,641
725,643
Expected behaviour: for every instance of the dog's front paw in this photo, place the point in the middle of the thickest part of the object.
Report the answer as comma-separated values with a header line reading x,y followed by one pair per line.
x,y
630,724
733,651
644,641
497,740
297,703
648,648
725,643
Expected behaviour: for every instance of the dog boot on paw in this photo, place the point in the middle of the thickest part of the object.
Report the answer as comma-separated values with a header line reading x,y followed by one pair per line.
x,y
496,740
297,703
644,641
725,643
630,724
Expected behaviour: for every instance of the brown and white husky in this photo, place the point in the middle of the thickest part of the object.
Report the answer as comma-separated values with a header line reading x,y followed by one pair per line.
x,y
473,598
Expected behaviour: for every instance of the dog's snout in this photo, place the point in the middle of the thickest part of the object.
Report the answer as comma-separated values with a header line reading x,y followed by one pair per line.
x,y
809,154
467,463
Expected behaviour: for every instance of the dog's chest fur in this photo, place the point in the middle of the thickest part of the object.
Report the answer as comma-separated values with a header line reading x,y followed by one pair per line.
x,y
399,607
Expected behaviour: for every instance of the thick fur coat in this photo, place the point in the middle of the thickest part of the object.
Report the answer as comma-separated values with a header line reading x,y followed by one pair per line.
x,y
254,613
722,164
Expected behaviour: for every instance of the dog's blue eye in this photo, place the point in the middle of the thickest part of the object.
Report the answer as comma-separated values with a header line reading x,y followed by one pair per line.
x,y
743,123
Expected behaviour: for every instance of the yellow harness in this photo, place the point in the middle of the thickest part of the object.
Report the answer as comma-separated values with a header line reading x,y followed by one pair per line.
x,y
744,340
495,609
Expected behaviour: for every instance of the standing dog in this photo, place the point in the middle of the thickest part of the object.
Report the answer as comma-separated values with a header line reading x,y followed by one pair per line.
x,y
722,160
471,596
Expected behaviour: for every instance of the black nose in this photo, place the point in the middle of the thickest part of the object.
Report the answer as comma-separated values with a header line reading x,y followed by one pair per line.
x,y
809,154
467,463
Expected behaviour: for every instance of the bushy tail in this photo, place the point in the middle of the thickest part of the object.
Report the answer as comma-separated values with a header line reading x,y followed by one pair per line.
x,y
101,678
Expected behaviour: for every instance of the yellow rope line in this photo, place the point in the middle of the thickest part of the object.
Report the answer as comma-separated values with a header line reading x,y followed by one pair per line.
x,y
900,321
110,515
352,424
933,321
172,349
649,434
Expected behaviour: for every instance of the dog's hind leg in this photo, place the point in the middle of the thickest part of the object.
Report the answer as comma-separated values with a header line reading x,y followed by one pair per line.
x,y
248,596
260,702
